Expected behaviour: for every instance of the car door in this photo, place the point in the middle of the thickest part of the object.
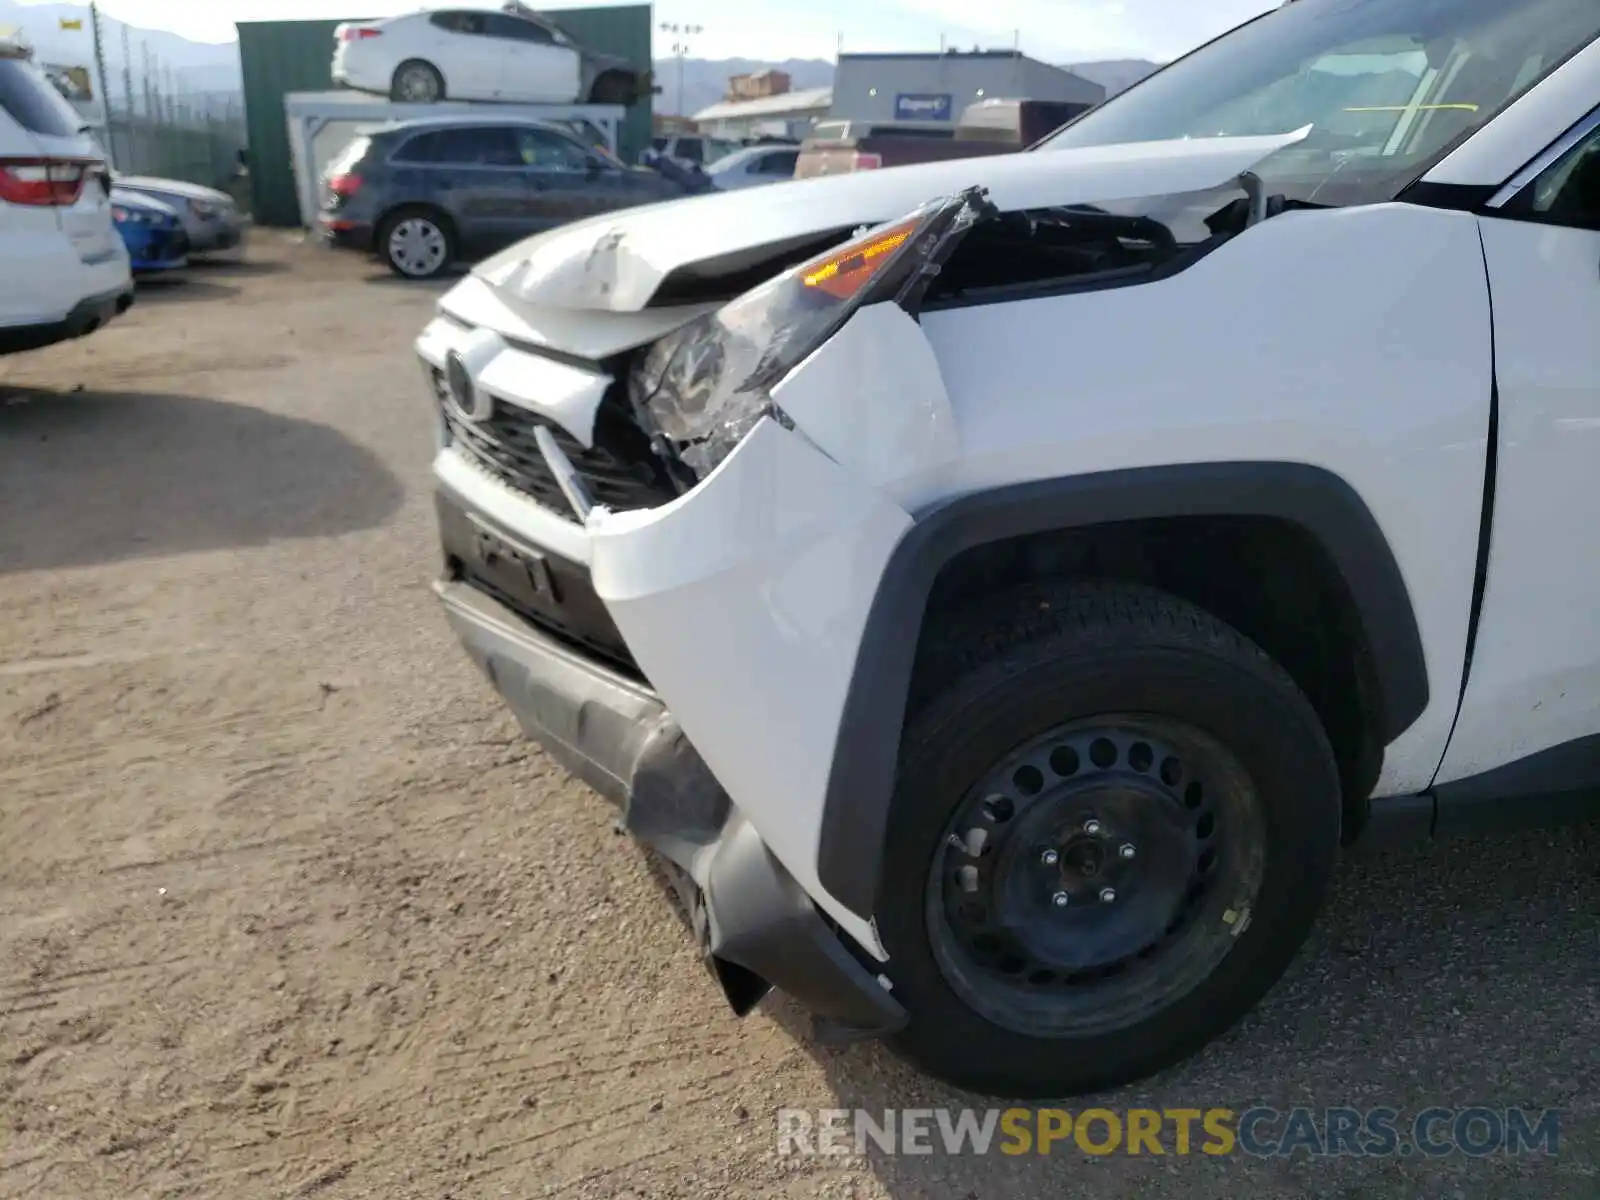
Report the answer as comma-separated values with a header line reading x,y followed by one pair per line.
x,y
561,180
478,179
1534,681
465,53
531,65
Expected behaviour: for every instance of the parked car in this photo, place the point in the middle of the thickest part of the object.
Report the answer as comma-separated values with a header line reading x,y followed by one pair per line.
x,y
1000,618
152,231
63,269
753,167
510,53
420,193
689,149
211,218
845,147
1015,124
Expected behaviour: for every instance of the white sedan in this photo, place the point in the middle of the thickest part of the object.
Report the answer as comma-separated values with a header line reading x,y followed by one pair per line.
x,y
754,166
509,53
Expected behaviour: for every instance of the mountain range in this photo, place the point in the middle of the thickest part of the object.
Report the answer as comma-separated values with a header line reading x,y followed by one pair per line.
x,y
214,68
705,81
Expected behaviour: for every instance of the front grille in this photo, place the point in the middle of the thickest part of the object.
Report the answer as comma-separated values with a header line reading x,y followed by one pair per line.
x,y
504,446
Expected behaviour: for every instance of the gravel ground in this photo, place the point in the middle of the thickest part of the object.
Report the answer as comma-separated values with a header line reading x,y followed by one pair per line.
x,y
287,909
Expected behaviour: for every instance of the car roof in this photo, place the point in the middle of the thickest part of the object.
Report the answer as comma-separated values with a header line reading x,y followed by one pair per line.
x,y
458,121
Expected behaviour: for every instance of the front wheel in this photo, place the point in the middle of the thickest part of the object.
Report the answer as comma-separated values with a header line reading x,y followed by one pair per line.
x,y
1114,825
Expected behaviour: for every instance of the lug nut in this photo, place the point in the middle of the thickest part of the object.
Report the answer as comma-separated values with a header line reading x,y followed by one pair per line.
x,y
1126,850
1092,828
1107,895
1049,858
1061,899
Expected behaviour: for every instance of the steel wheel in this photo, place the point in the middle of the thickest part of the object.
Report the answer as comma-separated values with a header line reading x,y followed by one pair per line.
x,y
417,247
1095,876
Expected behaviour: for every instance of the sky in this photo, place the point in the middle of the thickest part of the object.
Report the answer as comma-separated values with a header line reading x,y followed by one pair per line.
x,y
1053,30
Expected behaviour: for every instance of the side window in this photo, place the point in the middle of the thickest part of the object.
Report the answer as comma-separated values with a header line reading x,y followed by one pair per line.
x,y
518,30
780,164
691,149
547,151
1568,193
459,22
423,148
480,147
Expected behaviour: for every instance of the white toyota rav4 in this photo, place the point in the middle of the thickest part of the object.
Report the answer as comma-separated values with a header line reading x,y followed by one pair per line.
x,y
1001,586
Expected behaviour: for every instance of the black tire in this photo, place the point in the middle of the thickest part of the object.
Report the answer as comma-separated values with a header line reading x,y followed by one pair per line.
x,y
425,75
383,241
1017,669
613,87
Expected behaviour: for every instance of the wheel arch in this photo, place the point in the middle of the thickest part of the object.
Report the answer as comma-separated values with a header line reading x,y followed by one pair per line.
x,y
1314,501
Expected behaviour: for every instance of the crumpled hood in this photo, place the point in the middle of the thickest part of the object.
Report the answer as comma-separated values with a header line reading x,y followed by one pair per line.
x,y
617,261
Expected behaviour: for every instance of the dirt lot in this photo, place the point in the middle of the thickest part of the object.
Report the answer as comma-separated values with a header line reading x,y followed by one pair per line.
x,y
287,909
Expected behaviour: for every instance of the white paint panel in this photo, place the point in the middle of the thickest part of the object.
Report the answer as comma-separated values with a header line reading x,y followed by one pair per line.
x,y
1356,340
872,399
744,602
1535,679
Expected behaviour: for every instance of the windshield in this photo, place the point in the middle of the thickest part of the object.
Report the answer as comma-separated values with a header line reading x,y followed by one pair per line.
x,y
1386,85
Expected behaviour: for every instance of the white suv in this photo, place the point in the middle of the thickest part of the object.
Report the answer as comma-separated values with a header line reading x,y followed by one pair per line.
x,y
1000,586
64,266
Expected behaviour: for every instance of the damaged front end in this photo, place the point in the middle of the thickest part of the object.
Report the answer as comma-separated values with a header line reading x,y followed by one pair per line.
x,y
698,392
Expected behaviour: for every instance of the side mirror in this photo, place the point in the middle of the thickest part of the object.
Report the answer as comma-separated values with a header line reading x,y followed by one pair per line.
x,y
593,165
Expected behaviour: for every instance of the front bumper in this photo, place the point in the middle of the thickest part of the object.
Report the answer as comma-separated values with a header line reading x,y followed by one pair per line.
x,y
757,927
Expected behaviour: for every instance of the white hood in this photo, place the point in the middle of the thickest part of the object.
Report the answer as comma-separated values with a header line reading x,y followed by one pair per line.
x,y
617,261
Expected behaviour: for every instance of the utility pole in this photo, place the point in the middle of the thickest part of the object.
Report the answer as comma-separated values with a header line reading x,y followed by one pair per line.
x,y
680,47
105,92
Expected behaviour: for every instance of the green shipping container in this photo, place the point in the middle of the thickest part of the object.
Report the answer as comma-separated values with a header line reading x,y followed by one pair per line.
x,y
279,57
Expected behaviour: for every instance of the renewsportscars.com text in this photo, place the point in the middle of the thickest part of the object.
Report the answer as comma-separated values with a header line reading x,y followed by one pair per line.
x,y
1258,1132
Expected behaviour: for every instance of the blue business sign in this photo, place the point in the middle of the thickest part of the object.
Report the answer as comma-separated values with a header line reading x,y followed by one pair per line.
x,y
923,106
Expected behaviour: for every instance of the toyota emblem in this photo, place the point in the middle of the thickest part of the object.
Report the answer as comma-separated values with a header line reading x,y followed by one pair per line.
x,y
470,403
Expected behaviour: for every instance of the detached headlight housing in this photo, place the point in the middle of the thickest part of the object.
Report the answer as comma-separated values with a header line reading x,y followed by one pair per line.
x,y
700,390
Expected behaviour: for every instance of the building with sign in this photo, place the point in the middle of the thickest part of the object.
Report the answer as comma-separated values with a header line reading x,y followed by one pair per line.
x,y
938,87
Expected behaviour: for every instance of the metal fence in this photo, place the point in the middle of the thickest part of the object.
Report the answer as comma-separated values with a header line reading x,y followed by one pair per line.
x,y
200,147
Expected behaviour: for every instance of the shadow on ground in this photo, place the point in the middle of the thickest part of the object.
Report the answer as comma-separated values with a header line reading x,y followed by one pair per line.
x,y
181,288
94,477
225,267
441,283
1455,975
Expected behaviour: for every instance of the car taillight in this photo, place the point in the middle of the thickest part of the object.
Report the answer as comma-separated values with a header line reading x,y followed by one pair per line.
x,y
42,181
868,162
344,185
359,33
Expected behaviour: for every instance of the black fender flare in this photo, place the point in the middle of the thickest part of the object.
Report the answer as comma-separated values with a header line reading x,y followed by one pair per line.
x,y
866,752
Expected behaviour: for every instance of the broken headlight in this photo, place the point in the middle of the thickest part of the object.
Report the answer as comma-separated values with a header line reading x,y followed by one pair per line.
x,y
699,390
